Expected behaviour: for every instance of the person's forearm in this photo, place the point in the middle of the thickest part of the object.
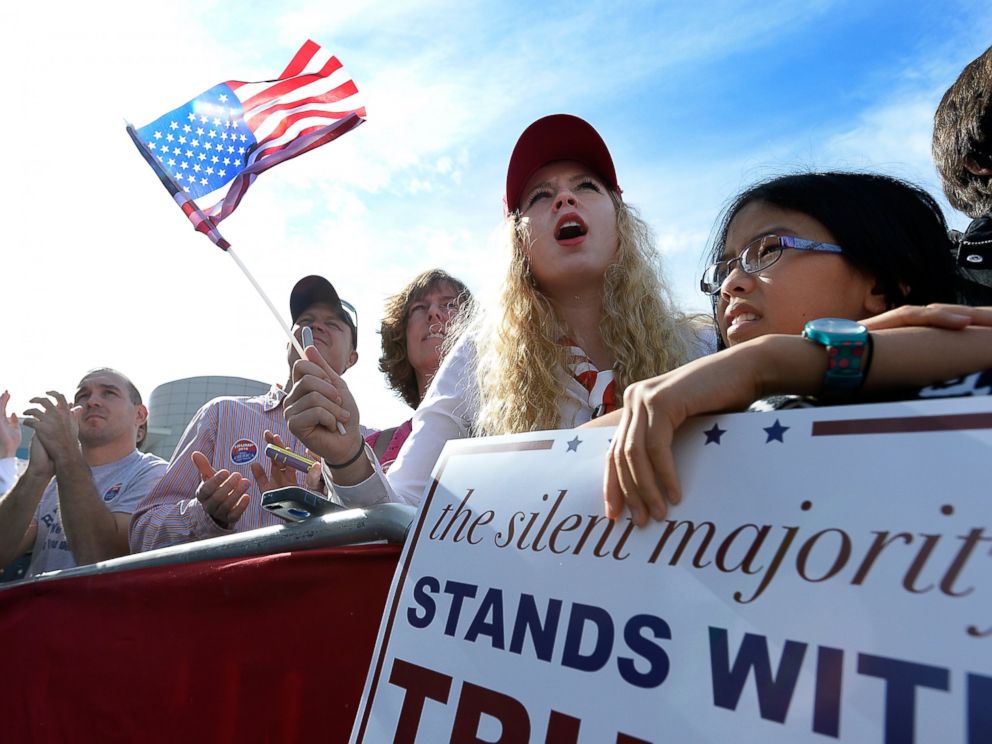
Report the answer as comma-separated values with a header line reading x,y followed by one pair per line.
x,y
355,473
166,519
361,484
901,358
92,532
907,357
17,508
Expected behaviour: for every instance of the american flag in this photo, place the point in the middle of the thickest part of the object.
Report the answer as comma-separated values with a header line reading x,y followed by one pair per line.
x,y
236,130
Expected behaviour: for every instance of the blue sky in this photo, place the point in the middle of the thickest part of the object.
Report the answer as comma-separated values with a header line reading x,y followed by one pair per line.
x,y
694,99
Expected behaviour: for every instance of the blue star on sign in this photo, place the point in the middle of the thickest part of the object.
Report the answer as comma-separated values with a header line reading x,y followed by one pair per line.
x,y
775,432
573,446
713,435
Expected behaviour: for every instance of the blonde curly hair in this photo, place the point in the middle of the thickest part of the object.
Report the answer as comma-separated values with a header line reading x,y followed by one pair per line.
x,y
520,354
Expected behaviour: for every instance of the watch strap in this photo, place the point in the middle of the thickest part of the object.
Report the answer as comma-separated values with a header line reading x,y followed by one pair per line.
x,y
848,357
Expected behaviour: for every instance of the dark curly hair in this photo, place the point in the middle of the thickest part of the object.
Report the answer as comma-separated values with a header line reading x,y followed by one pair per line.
x,y
394,362
962,129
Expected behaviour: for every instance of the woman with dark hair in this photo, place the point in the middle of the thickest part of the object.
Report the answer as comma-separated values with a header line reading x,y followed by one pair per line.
x,y
890,230
808,254
414,327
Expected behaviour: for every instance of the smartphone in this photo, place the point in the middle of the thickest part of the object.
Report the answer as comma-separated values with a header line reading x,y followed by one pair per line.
x,y
294,504
288,457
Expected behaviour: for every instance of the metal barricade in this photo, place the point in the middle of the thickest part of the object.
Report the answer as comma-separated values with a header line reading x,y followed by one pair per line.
x,y
385,523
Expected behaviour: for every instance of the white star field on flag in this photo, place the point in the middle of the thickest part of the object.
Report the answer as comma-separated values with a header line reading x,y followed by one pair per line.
x,y
208,127
237,130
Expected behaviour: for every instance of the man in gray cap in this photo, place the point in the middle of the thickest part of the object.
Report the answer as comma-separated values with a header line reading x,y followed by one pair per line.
x,y
216,477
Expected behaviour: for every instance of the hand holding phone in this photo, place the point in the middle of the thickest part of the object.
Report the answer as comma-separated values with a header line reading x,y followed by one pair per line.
x,y
307,334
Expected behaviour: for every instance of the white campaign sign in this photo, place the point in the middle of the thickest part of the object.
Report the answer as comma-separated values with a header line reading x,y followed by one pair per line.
x,y
828,576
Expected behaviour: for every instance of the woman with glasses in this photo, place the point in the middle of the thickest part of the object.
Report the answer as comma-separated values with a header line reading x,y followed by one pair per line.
x,y
582,315
851,244
789,254
413,331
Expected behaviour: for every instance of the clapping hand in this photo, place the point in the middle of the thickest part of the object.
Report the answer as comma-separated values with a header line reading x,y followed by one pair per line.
x,y
10,432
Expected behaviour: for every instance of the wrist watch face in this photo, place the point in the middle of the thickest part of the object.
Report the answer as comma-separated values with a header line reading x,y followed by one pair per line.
x,y
836,327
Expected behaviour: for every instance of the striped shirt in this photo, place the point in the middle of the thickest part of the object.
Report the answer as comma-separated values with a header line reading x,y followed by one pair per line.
x,y
230,432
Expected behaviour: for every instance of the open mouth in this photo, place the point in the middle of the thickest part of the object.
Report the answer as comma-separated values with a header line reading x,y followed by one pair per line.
x,y
570,227
739,315
741,318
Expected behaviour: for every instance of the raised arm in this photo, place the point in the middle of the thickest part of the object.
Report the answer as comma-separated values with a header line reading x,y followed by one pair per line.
x,y
10,439
318,402
17,507
92,531
640,470
319,399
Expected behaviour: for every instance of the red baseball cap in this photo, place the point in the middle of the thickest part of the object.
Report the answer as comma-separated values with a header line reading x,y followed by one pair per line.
x,y
551,138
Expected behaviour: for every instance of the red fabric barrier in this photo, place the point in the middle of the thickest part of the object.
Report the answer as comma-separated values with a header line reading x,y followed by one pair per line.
x,y
273,648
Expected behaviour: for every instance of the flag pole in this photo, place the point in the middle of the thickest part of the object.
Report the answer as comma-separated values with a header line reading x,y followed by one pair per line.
x,y
261,293
265,297
203,223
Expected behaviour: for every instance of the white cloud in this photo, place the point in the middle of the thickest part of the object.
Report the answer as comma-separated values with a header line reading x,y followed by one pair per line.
x,y
101,268
444,165
417,186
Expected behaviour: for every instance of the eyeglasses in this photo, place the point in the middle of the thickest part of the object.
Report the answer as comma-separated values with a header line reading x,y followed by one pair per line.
x,y
757,256
350,311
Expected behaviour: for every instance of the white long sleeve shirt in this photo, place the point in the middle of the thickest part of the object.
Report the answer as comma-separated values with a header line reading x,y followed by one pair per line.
x,y
448,411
